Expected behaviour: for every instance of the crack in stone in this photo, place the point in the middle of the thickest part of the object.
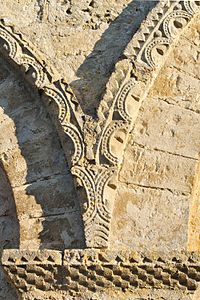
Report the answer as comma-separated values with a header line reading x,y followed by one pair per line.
x,y
175,104
165,151
54,215
191,43
185,73
157,188
42,9
42,179
7,216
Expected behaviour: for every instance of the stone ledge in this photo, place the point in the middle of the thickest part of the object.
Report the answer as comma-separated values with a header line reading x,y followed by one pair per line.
x,y
94,270
110,257
24,257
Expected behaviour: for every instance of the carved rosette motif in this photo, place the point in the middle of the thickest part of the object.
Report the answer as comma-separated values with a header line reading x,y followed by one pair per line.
x,y
99,143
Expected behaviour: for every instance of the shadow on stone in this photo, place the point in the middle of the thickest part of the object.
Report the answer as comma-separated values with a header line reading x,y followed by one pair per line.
x,y
95,71
9,229
34,161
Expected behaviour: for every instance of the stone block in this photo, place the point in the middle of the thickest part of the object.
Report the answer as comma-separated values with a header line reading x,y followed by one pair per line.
x,y
177,88
56,232
149,218
186,57
47,197
157,169
168,128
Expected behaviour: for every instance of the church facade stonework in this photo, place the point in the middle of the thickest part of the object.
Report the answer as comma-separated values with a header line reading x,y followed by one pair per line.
x,y
99,150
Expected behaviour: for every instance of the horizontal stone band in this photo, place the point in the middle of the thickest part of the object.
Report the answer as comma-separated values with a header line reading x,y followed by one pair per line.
x,y
96,269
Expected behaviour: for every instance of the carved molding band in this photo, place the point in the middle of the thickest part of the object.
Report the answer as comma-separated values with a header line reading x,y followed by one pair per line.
x,y
99,143
95,270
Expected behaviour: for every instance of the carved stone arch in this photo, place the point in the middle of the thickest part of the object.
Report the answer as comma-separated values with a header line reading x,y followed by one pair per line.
x,y
99,148
95,140
35,165
159,177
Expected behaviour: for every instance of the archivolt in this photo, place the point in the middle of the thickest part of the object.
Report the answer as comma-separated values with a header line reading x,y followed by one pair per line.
x,y
94,143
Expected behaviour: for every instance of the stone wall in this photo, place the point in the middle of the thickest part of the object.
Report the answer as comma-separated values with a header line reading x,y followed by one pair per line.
x,y
156,188
38,181
156,208
82,39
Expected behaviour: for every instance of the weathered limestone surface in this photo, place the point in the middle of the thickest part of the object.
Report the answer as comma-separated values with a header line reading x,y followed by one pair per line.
x,y
82,39
35,164
92,274
66,32
157,203
39,207
161,159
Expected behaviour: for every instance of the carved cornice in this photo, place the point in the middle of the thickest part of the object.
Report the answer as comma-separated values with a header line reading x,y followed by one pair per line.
x,y
94,270
99,143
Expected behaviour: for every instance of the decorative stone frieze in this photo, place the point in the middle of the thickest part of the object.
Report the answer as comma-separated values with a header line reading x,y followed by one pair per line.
x,y
99,142
94,270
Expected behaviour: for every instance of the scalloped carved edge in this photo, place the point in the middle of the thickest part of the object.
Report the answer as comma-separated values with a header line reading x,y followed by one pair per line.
x,y
99,143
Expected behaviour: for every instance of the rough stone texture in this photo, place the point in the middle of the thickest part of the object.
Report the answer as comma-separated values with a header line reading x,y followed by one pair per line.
x,y
37,170
161,160
60,30
157,199
83,272
37,180
149,294
194,226
82,39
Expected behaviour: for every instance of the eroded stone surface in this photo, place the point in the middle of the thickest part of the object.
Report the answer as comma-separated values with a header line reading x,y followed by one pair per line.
x,y
152,209
161,159
35,164
39,206
60,29
118,274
